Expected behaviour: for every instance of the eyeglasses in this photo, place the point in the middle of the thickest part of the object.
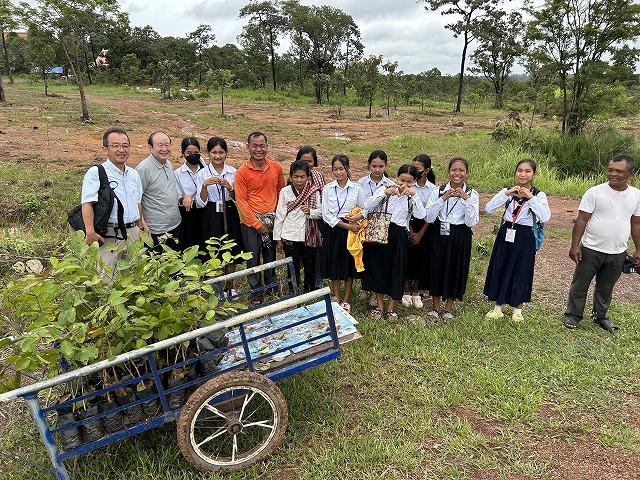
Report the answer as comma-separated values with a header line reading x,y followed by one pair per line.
x,y
118,146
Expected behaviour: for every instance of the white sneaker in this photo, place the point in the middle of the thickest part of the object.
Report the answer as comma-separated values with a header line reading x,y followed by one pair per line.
x,y
406,300
417,301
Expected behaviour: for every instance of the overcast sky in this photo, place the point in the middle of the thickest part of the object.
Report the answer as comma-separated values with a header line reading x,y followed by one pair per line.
x,y
400,30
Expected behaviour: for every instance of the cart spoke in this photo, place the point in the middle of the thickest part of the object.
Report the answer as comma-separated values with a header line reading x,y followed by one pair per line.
x,y
221,431
234,451
247,399
215,411
263,423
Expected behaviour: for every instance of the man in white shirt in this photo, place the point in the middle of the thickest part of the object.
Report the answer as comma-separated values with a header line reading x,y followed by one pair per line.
x,y
125,182
608,214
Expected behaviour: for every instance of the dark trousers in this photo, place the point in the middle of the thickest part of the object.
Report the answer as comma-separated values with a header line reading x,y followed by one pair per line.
x,y
253,244
299,252
606,268
171,242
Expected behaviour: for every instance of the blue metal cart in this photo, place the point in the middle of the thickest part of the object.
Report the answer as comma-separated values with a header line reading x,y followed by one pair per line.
x,y
227,418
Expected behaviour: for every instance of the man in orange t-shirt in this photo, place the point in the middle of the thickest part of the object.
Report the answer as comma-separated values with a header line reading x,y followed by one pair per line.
x,y
257,185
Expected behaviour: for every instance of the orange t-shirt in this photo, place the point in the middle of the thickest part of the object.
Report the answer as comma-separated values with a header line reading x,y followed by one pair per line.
x,y
257,190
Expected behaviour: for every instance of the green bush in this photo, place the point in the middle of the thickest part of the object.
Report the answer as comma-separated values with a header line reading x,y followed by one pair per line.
x,y
586,154
152,297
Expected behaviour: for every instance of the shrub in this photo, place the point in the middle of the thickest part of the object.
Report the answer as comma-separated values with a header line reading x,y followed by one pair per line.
x,y
152,297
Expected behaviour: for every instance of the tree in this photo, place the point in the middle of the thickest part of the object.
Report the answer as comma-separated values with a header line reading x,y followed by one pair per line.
x,y
575,38
367,78
391,79
201,37
8,23
318,33
500,44
41,53
264,17
145,44
221,78
471,15
71,22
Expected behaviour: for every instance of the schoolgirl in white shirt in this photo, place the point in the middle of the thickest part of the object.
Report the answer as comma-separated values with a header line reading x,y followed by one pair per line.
x,y
420,237
386,265
186,183
453,209
510,272
217,197
377,164
338,198
295,228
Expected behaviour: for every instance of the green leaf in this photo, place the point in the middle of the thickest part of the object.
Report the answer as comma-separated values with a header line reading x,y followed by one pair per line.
x,y
87,353
67,317
29,344
22,363
189,254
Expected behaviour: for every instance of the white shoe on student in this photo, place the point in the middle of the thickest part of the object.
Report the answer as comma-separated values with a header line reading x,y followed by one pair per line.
x,y
417,301
406,300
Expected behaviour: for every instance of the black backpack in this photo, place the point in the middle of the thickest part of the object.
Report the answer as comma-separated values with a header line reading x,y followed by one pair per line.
x,y
101,209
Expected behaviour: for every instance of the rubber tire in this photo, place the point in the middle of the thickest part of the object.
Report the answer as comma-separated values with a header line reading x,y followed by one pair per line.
x,y
270,395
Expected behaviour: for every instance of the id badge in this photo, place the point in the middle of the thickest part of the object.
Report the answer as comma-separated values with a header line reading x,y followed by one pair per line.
x,y
444,228
510,235
219,206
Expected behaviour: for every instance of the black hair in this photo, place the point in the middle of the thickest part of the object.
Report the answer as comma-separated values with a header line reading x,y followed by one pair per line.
x,y
186,142
526,160
150,139
255,135
631,163
425,160
458,159
308,149
215,141
344,160
410,169
109,131
300,165
377,154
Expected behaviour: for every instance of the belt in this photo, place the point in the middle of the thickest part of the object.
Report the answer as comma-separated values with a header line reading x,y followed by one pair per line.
x,y
126,225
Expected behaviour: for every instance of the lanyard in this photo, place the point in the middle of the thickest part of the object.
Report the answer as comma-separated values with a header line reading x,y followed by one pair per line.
x,y
220,191
191,176
515,212
449,210
335,189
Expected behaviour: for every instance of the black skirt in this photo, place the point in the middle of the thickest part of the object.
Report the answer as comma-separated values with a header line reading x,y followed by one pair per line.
x,y
450,261
214,227
190,227
424,267
385,266
510,272
336,262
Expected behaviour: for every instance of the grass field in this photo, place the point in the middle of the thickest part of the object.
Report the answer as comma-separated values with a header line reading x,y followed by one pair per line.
x,y
472,399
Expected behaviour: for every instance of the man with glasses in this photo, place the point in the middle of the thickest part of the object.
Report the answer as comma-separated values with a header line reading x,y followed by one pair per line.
x,y
159,192
126,184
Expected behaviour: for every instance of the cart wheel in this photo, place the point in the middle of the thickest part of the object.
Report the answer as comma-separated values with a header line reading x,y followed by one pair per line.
x,y
232,421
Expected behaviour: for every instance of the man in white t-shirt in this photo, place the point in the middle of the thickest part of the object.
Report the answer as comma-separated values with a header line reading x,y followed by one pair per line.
x,y
608,214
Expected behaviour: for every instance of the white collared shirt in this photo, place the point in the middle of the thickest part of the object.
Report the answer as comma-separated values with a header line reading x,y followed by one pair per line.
x,y
369,186
455,210
398,206
291,226
126,185
214,192
337,202
538,205
186,181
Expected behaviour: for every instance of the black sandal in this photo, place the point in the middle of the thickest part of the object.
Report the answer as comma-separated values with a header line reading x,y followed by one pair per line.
x,y
607,325
571,322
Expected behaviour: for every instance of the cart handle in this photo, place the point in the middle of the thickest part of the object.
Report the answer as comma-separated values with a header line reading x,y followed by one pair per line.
x,y
128,356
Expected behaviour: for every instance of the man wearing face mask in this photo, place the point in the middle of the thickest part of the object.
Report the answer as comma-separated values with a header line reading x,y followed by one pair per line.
x,y
159,192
